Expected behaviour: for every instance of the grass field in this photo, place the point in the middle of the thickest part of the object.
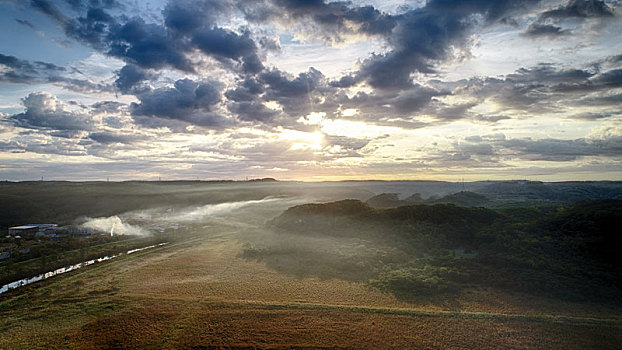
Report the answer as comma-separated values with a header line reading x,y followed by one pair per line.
x,y
202,294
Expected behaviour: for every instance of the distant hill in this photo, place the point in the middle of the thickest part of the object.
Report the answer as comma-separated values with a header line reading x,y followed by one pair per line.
x,y
386,200
521,189
510,194
414,198
265,179
570,251
463,198
553,191
355,218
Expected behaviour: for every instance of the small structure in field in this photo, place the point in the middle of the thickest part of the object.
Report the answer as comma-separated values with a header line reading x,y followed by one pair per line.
x,y
29,228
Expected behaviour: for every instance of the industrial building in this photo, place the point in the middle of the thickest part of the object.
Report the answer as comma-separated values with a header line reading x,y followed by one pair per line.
x,y
29,228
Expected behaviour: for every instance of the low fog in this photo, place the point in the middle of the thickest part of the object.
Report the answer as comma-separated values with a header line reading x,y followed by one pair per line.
x,y
410,238
240,204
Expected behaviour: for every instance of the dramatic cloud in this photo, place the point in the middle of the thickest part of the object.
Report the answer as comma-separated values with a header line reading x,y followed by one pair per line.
x,y
20,71
319,89
222,43
187,101
130,76
108,138
553,150
187,26
44,111
548,23
23,71
425,37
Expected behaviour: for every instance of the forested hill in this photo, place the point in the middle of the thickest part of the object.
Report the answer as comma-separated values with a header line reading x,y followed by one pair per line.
x,y
569,251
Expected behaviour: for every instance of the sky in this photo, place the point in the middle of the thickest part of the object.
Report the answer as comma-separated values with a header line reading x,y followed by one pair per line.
x,y
311,90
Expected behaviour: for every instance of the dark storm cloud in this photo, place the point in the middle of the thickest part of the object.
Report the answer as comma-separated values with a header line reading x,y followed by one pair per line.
x,y
110,138
542,88
188,25
252,111
246,101
81,4
490,118
44,111
395,107
107,107
279,84
80,85
555,150
594,116
43,145
130,76
602,100
548,23
614,59
222,43
246,90
609,79
538,30
186,16
23,71
20,71
424,37
297,95
564,150
549,74
91,28
66,134
418,41
333,18
187,101
414,99
579,9
344,82
148,46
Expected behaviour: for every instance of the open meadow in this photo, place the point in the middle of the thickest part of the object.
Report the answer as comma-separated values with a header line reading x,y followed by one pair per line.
x,y
220,284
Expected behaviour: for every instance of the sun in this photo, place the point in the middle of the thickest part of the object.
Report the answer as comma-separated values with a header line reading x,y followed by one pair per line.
x,y
303,140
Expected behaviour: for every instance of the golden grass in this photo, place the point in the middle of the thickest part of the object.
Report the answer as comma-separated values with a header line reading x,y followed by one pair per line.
x,y
201,295
177,324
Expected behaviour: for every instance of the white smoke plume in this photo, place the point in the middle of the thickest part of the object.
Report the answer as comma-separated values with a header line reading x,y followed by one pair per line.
x,y
211,210
114,226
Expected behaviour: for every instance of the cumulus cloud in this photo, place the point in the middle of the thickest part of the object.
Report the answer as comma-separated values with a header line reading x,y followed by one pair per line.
x,y
23,71
187,101
45,111
206,67
548,23
225,44
109,138
543,88
188,26
424,37
547,149
129,78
